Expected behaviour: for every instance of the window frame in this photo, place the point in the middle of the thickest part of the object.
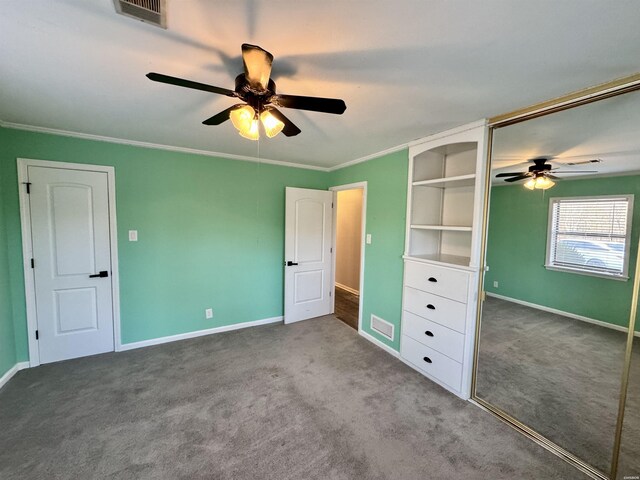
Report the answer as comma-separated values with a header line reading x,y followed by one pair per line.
x,y
624,276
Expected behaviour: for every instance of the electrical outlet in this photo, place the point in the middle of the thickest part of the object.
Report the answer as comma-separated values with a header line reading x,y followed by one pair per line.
x,y
495,284
208,313
133,235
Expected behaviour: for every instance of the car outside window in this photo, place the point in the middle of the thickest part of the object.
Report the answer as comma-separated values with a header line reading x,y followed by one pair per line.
x,y
590,235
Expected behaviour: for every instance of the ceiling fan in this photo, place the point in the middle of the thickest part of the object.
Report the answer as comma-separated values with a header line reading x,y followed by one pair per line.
x,y
541,174
258,92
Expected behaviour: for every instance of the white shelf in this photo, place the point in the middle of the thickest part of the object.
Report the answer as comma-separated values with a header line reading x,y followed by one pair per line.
x,y
442,259
457,181
448,228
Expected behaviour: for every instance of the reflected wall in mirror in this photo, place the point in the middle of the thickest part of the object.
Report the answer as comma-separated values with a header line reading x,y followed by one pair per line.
x,y
629,463
561,245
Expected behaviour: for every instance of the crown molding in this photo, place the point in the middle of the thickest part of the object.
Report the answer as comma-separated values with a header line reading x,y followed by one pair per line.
x,y
158,146
208,153
381,153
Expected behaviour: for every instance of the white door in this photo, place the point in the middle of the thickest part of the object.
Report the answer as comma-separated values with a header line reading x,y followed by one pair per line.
x,y
307,250
72,262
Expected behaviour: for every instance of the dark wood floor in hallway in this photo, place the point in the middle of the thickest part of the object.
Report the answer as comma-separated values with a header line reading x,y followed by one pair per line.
x,y
347,307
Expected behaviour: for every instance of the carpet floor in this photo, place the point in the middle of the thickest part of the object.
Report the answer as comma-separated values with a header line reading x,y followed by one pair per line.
x,y
312,400
560,376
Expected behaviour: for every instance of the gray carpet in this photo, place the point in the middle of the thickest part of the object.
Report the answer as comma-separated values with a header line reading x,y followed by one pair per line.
x,y
312,400
558,375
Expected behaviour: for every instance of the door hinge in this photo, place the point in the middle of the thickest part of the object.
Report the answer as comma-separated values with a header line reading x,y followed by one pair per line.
x,y
37,335
28,184
330,293
33,263
331,250
331,204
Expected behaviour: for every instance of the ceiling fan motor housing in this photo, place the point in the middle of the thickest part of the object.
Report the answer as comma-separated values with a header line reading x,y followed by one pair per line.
x,y
256,98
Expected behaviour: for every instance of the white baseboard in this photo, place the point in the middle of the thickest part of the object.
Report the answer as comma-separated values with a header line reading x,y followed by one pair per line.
x,y
12,371
347,289
600,323
378,343
198,333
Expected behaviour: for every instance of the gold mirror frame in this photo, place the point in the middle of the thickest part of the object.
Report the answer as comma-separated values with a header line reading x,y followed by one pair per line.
x,y
575,99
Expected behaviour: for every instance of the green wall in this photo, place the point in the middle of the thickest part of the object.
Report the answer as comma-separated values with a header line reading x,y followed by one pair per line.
x,y
517,248
211,233
7,337
386,179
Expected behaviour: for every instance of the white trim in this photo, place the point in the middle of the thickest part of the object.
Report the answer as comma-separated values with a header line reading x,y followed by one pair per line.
x,y
208,153
347,289
27,247
378,343
12,371
549,265
158,146
199,333
371,156
363,245
562,313
449,132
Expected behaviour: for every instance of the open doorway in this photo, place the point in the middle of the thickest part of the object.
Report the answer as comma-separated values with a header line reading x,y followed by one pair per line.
x,y
350,201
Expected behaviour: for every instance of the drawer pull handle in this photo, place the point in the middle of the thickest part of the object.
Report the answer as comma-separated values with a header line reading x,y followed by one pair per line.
x,y
428,333
427,359
431,307
433,279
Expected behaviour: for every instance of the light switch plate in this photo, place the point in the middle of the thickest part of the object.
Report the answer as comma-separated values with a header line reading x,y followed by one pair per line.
x,y
208,313
133,235
368,238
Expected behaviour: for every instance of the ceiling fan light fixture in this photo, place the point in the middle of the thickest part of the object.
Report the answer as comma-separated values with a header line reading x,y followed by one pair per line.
x,y
272,126
539,182
544,183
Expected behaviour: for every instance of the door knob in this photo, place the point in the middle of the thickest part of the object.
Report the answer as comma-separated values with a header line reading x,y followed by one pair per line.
x,y
291,264
102,274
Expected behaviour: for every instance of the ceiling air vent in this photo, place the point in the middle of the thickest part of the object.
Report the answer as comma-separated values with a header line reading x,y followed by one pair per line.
x,y
149,11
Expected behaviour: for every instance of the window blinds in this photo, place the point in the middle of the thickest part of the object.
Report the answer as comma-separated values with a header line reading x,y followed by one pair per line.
x,y
589,234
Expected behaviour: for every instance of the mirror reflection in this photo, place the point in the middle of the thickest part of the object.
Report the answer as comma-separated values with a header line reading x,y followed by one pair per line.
x,y
629,463
561,247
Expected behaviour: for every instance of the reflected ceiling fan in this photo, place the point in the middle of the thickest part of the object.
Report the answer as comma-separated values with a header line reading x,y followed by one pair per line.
x,y
258,92
541,174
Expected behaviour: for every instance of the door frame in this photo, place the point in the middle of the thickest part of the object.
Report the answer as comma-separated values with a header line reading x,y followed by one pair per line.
x,y
27,247
363,243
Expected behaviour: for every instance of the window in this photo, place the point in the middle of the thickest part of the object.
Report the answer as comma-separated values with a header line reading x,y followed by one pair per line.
x,y
590,235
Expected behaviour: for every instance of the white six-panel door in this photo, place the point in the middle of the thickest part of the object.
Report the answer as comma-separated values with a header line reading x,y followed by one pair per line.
x,y
308,237
69,212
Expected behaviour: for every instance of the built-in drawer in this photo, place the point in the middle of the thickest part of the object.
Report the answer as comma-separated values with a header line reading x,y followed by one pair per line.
x,y
431,362
445,282
435,308
442,339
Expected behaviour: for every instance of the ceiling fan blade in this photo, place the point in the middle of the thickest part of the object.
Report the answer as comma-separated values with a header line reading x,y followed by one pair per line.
x,y
314,104
511,174
577,171
594,160
518,178
223,116
181,82
257,65
552,177
290,130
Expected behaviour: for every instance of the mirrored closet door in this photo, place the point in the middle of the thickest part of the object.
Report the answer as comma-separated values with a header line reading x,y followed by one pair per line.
x,y
562,231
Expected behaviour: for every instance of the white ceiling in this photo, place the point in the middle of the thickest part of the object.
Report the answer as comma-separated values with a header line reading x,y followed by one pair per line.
x,y
406,69
607,130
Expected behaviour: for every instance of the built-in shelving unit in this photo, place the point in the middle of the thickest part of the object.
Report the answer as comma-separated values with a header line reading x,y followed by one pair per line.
x,y
445,185
440,287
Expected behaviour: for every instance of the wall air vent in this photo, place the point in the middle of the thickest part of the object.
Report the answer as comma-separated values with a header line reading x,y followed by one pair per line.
x,y
149,11
382,327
